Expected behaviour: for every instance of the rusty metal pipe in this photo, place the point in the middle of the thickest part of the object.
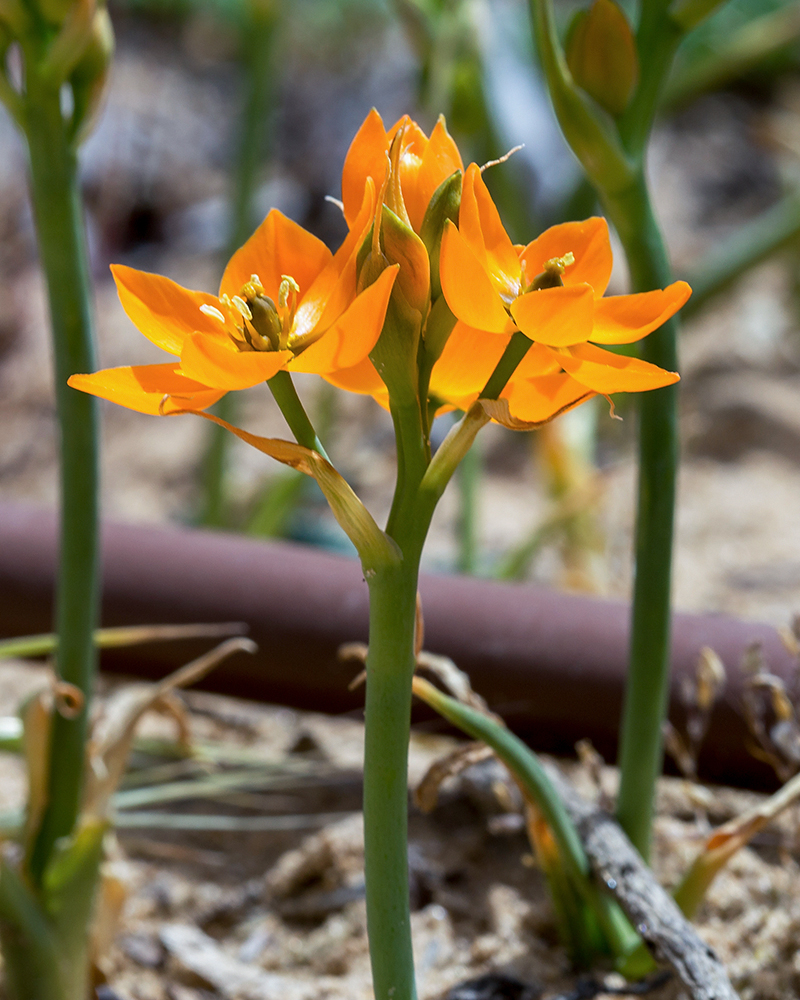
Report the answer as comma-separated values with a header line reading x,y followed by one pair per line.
x,y
552,664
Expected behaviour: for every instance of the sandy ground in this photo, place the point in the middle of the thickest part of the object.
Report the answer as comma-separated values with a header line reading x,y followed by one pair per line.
x,y
254,916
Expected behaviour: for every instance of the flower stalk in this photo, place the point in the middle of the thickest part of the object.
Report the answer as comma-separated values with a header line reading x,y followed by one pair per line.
x,y
613,151
390,667
47,897
647,690
62,245
375,319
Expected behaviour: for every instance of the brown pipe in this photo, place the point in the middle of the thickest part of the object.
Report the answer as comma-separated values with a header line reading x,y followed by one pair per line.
x,y
552,664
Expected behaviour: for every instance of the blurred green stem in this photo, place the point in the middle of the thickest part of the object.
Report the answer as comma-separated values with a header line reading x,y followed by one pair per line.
x,y
739,53
613,153
752,243
256,39
62,246
469,482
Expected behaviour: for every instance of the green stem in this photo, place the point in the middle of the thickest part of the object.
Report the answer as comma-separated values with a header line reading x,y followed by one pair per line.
x,y
752,242
59,224
515,351
390,667
413,457
257,36
469,480
646,695
285,395
657,39
215,463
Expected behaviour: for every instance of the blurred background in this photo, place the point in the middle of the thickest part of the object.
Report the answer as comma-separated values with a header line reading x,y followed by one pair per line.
x,y
219,110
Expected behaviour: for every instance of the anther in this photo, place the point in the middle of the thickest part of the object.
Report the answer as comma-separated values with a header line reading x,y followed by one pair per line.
x,y
252,288
288,284
242,306
209,310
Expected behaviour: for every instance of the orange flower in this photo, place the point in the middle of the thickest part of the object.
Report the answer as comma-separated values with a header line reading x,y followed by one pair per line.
x,y
551,290
406,167
285,302
423,164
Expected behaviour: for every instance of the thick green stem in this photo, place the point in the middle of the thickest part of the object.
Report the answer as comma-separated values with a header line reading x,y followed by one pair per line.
x,y
390,667
413,457
59,225
640,754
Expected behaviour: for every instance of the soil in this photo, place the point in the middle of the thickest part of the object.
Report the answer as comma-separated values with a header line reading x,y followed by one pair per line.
x,y
246,915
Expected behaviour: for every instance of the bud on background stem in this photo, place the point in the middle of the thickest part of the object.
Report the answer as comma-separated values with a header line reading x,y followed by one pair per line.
x,y
601,55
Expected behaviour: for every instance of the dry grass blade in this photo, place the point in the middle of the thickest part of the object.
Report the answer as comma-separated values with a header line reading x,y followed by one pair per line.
x,y
726,840
112,741
208,823
426,794
453,679
108,638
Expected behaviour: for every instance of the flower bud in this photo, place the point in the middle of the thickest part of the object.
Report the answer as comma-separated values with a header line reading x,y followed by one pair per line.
x,y
56,12
393,243
89,76
402,246
444,205
601,55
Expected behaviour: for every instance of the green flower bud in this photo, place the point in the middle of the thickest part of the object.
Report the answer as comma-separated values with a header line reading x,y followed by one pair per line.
x,y
444,205
88,78
56,12
601,55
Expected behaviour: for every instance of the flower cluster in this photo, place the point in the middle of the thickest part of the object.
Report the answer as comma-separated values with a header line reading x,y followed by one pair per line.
x,y
426,266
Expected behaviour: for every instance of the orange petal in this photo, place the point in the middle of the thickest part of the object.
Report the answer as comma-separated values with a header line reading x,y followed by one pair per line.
x,y
556,316
213,362
362,378
279,246
466,285
538,360
440,159
354,334
144,388
479,223
587,240
365,158
468,359
622,319
165,312
607,372
539,399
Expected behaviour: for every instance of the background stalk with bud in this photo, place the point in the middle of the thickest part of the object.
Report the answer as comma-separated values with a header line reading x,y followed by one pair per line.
x,y
63,51
605,83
